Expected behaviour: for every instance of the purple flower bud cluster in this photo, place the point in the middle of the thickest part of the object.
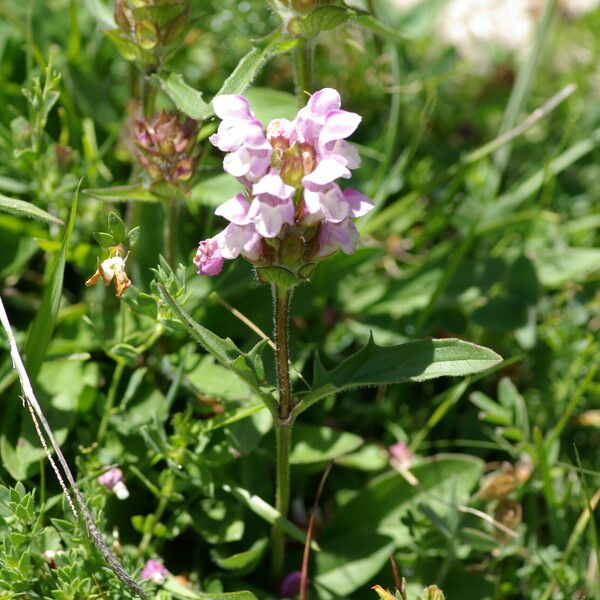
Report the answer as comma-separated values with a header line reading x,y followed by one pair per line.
x,y
163,147
292,212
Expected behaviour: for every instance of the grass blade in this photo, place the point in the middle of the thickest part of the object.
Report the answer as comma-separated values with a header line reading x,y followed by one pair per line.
x,y
41,330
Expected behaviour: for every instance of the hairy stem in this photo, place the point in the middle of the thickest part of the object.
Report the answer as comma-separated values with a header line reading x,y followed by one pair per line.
x,y
283,424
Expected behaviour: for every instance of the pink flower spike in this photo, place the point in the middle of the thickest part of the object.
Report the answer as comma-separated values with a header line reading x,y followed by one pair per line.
x,y
334,236
359,204
230,106
208,259
154,571
235,210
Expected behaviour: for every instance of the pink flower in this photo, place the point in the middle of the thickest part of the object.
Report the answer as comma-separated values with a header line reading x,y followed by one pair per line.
x,y
242,136
336,236
289,173
154,571
208,259
400,454
114,481
273,205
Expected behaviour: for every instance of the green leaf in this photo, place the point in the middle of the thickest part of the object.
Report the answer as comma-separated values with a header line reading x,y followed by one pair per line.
x,y
116,227
559,266
224,350
313,444
26,209
213,191
268,104
414,361
267,512
124,193
180,591
185,97
323,18
350,561
189,101
241,561
41,330
444,480
105,240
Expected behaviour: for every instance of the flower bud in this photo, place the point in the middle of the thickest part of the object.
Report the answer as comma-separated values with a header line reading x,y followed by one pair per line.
x,y
433,593
154,27
164,147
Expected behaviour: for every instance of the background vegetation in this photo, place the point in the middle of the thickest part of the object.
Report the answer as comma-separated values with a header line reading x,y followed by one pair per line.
x,y
496,245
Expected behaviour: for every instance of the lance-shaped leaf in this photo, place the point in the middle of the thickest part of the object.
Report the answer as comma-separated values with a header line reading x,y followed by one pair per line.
x,y
414,361
122,193
189,101
224,350
26,209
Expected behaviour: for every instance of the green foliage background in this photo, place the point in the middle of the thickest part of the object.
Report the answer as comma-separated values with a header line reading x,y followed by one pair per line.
x,y
505,256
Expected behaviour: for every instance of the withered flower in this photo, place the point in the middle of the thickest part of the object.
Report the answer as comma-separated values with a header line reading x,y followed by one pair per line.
x,y
164,147
111,268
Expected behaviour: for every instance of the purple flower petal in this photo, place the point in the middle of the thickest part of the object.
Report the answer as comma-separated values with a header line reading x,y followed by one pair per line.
x,y
269,214
339,125
359,204
324,100
272,184
334,236
235,210
230,106
327,171
208,259
239,239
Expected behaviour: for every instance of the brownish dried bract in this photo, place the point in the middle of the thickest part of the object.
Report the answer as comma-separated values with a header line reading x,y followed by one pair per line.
x,y
501,484
508,513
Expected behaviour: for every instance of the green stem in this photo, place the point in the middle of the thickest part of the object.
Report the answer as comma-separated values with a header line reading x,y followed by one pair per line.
x,y
158,513
283,435
301,70
171,231
149,96
110,400
283,424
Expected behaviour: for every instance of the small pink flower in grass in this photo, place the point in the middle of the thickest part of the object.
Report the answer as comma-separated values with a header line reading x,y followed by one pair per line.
x,y
154,571
290,586
400,454
292,212
114,481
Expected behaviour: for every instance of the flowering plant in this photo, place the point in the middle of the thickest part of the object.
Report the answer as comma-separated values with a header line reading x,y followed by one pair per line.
x,y
292,212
